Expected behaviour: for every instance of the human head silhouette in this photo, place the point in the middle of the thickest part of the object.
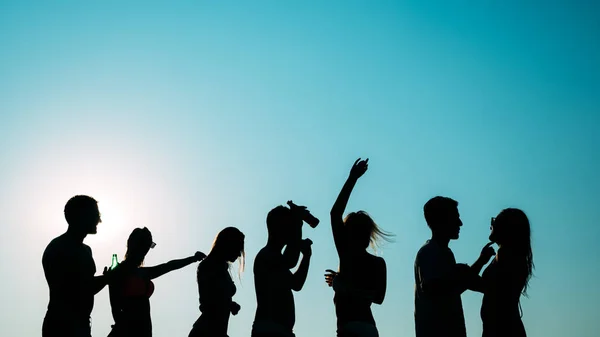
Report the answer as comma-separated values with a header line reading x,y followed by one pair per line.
x,y
361,231
229,245
138,245
511,230
441,215
510,227
82,214
281,224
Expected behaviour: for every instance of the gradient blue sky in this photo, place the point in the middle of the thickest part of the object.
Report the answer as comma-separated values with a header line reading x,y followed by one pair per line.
x,y
191,116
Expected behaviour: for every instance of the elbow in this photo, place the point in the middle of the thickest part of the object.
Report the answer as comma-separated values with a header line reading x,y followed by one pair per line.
x,y
335,213
297,287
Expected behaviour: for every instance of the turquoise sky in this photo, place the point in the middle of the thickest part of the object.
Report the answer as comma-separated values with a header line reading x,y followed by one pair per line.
x,y
192,116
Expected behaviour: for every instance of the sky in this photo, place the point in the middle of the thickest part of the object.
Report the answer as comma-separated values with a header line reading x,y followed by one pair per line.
x,y
187,117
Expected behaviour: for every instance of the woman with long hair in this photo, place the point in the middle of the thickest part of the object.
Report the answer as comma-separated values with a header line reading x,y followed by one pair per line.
x,y
361,279
507,276
132,286
215,286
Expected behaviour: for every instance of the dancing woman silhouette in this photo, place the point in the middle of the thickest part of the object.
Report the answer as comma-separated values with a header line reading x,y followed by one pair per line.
x,y
215,286
507,277
132,286
361,279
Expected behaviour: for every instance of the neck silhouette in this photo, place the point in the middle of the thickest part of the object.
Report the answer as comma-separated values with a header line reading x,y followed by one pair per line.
x,y
275,244
441,239
76,234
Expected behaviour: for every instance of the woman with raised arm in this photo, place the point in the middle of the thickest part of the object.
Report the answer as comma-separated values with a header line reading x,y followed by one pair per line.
x,y
215,286
361,279
507,277
132,286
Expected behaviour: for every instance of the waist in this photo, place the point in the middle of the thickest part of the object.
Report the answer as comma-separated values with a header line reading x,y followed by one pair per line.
x,y
349,309
68,311
284,315
355,328
270,328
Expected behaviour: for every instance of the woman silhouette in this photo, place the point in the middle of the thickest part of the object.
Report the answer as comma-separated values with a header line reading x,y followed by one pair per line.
x,y
361,279
507,277
132,286
215,285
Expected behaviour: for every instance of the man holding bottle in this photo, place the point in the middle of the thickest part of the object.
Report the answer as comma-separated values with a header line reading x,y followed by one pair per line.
x,y
273,279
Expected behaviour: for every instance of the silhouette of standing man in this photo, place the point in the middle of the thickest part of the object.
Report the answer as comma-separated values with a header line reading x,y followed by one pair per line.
x,y
439,279
69,269
274,282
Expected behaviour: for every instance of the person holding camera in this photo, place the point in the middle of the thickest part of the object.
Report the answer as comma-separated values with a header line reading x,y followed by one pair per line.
x,y
273,279
361,279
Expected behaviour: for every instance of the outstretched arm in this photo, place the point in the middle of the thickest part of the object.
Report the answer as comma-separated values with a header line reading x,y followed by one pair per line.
x,y
99,282
161,269
337,211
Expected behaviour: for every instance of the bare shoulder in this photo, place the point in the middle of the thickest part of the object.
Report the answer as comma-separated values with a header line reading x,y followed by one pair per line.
x,y
377,261
380,261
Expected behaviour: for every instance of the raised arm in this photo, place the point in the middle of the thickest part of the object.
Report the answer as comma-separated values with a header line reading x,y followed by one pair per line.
x,y
161,269
291,253
337,211
299,277
476,283
486,254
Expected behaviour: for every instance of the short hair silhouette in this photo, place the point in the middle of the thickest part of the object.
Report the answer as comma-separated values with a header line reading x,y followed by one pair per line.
x,y
79,209
438,209
277,220
365,231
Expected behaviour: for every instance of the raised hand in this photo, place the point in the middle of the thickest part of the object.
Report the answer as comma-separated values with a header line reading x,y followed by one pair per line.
x,y
305,247
329,276
487,252
359,168
235,308
200,256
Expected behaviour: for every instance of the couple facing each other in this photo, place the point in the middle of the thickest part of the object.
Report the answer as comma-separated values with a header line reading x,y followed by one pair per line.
x,y
440,281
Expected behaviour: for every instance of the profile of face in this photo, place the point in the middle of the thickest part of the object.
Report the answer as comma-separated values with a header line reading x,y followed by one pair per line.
x,y
94,220
452,224
509,226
